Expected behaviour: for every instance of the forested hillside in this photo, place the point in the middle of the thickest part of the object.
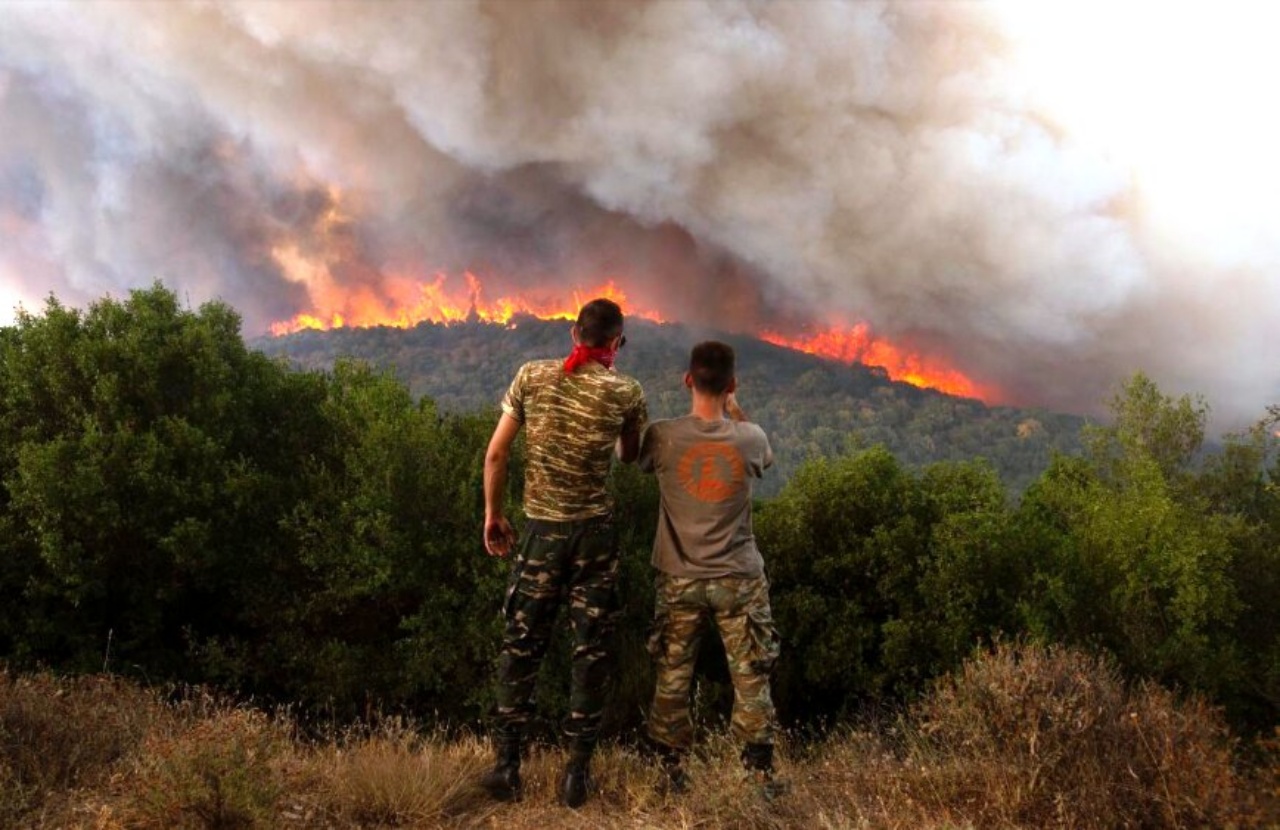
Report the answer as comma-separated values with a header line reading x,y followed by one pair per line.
x,y
810,406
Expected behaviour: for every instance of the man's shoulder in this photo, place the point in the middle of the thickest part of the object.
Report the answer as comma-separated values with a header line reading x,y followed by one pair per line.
x,y
614,383
541,366
626,382
534,373
751,436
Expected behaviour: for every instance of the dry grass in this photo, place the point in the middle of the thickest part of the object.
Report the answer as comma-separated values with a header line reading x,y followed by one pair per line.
x,y
1031,737
61,735
395,777
1021,738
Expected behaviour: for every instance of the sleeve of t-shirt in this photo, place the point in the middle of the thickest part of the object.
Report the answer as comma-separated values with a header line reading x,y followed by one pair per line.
x,y
513,401
637,417
761,453
648,448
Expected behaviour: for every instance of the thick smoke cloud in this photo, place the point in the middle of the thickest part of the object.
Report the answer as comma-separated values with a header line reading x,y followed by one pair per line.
x,y
741,163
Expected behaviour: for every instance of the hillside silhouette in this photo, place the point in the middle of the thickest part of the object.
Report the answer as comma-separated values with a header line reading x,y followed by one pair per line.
x,y
810,406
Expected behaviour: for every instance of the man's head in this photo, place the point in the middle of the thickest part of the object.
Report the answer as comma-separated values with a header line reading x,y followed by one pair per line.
x,y
599,322
711,368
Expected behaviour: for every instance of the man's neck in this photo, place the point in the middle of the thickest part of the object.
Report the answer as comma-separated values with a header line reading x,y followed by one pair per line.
x,y
708,407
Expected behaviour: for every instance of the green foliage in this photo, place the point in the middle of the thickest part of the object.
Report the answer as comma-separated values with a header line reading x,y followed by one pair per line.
x,y
882,578
1239,487
973,578
398,594
1126,567
178,505
1171,570
1148,427
138,473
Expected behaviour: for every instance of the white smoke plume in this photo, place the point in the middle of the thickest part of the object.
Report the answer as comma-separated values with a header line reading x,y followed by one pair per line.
x,y
747,163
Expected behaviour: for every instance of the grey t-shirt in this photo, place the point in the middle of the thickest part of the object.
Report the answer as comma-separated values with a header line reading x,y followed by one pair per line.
x,y
705,470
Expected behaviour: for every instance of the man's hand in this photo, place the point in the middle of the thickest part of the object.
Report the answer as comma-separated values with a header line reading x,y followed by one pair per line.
x,y
499,538
732,409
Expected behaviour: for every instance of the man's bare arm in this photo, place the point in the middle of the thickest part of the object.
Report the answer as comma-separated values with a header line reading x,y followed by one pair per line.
x,y
628,446
498,535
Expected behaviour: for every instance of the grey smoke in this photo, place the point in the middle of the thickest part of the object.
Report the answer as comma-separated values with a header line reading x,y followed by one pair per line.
x,y
741,162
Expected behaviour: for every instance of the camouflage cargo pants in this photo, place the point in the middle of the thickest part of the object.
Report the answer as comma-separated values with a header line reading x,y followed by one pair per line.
x,y
740,610
555,562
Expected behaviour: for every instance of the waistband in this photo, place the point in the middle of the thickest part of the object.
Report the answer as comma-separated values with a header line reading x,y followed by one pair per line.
x,y
548,526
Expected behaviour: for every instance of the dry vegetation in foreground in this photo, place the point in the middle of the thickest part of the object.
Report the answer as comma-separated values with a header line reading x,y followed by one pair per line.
x,y
1020,738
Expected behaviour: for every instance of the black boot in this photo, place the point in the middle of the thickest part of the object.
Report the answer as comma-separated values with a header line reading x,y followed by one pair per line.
x,y
675,779
575,782
503,781
758,759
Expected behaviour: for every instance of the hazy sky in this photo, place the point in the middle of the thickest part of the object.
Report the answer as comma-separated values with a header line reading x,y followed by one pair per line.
x,y
1050,195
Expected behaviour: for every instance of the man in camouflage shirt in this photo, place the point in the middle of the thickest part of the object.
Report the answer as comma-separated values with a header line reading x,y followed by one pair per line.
x,y
708,566
577,414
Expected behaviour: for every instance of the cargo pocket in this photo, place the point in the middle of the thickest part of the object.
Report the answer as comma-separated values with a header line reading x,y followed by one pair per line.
x,y
517,570
661,621
766,644
657,641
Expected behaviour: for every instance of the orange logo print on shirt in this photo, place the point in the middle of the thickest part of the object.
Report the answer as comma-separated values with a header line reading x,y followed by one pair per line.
x,y
711,472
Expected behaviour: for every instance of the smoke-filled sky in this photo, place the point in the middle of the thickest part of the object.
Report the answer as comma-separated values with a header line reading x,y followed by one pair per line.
x,y
1050,195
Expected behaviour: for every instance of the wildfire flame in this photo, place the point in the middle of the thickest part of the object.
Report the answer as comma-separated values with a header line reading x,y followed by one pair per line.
x,y
858,345
403,302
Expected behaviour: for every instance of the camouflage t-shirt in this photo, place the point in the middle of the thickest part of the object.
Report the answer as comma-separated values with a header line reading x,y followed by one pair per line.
x,y
571,423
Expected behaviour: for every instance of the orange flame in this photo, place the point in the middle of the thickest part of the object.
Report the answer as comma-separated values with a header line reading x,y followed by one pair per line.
x,y
858,345
403,302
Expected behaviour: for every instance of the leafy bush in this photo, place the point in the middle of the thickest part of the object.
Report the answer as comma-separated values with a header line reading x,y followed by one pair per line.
x,y
882,578
178,506
1171,569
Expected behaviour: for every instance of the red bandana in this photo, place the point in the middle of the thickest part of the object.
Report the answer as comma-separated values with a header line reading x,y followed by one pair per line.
x,y
584,354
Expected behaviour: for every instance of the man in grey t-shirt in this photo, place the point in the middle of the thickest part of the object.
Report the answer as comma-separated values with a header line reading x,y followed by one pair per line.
x,y
708,566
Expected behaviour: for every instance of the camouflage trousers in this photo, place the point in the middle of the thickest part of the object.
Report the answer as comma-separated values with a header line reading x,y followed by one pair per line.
x,y
739,607
555,563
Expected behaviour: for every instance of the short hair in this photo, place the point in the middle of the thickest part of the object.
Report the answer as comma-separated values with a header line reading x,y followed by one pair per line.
x,y
711,365
599,321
